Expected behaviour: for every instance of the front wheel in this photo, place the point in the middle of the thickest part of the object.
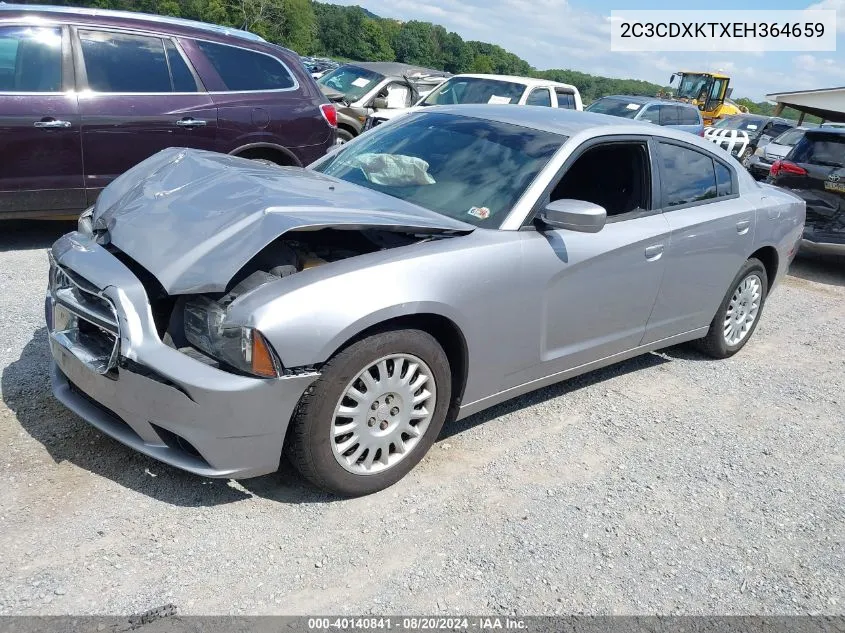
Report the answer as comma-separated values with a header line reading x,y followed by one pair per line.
x,y
745,159
739,313
373,414
343,137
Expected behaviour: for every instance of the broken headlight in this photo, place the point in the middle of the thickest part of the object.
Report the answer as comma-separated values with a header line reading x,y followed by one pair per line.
x,y
243,348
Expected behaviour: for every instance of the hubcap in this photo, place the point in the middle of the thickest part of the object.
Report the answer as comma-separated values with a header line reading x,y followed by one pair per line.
x,y
743,309
383,413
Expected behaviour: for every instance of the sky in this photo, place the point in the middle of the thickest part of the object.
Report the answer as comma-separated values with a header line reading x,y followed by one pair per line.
x,y
574,34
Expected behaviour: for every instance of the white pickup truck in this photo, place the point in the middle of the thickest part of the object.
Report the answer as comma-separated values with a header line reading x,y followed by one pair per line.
x,y
502,89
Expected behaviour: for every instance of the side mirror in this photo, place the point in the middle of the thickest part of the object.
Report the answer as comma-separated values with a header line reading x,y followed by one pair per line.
x,y
671,79
380,103
574,215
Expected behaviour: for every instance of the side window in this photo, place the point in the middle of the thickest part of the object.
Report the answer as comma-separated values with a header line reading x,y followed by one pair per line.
x,y
687,175
615,176
724,183
688,116
651,114
670,115
565,99
246,71
119,62
30,59
183,79
540,97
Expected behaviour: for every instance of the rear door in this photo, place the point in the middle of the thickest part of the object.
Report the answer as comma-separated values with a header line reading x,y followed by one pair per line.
x,y
41,163
138,95
822,156
712,233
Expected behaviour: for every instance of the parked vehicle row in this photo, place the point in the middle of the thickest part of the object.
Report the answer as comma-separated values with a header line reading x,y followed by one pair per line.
x,y
85,95
742,134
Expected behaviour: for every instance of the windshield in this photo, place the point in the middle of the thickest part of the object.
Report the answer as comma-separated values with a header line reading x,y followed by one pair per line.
x,y
474,90
352,81
790,137
469,169
694,87
746,124
615,107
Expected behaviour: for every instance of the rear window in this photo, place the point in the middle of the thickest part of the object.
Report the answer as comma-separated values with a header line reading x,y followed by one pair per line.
x,y
820,149
30,59
669,115
247,71
565,100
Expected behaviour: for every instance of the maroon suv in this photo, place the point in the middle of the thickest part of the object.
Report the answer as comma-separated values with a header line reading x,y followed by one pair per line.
x,y
86,94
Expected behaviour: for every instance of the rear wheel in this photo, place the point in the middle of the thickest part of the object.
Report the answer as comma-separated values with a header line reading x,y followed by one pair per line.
x,y
343,136
373,414
739,313
745,159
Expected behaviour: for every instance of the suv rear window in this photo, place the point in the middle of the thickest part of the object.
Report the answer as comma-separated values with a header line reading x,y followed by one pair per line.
x,y
124,63
820,149
246,71
30,59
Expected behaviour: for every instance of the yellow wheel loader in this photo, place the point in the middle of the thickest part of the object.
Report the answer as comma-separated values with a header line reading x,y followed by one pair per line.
x,y
708,91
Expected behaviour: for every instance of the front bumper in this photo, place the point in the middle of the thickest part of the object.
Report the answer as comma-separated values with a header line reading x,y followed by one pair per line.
x,y
153,397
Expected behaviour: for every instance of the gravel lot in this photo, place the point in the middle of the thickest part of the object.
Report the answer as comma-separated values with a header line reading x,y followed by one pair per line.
x,y
667,484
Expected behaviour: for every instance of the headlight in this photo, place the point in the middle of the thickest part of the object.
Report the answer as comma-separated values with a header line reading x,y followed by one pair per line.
x,y
241,347
84,223
759,151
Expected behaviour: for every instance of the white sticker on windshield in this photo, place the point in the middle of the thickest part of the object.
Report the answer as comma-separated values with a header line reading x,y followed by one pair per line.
x,y
751,127
633,106
497,99
361,82
482,213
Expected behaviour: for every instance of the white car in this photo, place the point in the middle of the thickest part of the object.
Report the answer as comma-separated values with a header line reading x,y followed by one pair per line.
x,y
497,89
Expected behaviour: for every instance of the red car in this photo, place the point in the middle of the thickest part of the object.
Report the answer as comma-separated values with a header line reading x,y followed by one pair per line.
x,y
86,94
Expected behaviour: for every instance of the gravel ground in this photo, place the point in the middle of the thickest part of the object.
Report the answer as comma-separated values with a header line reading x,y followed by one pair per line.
x,y
668,484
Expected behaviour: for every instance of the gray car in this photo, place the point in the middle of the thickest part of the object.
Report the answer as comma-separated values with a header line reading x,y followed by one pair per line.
x,y
212,312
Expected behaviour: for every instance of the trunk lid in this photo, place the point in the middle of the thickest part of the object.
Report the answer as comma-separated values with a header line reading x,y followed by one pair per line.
x,y
193,218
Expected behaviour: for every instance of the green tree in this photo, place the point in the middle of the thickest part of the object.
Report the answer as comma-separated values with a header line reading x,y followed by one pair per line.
x,y
481,64
415,45
299,29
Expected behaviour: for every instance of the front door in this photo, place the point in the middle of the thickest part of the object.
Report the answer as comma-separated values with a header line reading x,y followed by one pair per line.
x,y
41,161
596,290
138,96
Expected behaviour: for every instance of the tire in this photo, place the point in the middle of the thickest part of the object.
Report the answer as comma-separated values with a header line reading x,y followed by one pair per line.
x,y
718,343
343,136
745,159
319,454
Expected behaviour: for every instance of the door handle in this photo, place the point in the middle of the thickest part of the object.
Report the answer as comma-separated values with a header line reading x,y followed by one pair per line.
x,y
742,226
189,122
51,124
653,252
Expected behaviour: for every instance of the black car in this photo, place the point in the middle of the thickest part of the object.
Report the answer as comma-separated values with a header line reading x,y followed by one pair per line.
x,y
742,134
815,170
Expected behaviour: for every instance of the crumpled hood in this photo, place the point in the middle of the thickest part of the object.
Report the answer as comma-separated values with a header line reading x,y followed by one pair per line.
x,y
193,218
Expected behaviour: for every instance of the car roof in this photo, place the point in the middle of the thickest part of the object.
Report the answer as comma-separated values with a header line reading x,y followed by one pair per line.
x,y
129,17
526,81
826,130
642,100
397,69
751,115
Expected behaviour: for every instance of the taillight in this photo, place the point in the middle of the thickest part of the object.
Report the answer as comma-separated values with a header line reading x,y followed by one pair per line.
x,y
329,113
786,167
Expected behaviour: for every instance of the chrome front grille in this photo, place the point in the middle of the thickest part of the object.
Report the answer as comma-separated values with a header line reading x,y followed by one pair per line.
x,y
83,320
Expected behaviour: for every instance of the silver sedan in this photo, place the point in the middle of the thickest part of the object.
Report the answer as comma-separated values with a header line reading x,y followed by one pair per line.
x,y
214,313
